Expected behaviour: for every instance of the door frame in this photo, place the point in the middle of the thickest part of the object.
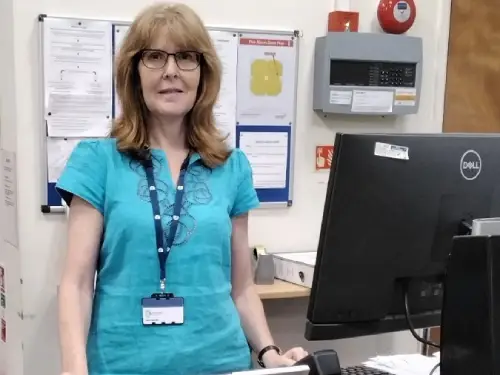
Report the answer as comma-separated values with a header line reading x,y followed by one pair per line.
x,y
442,32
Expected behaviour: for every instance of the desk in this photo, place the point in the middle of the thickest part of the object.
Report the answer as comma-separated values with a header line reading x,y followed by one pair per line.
x,y
282,289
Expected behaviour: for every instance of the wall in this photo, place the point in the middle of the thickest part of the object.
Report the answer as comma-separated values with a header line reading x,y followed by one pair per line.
x,y
42,237
11,353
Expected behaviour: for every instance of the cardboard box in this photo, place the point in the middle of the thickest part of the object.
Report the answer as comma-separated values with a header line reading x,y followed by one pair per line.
x,y
296,268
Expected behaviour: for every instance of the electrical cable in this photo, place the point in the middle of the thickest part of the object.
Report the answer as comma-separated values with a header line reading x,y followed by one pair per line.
x,y
412,328
434,369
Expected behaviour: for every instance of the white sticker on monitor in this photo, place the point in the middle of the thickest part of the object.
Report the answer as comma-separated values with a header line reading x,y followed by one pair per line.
x,y
391,151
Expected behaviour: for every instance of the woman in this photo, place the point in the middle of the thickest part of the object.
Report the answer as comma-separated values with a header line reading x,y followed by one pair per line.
x,y
161,207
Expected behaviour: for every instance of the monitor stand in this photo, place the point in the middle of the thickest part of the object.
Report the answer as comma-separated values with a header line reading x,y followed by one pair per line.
x,y
393,323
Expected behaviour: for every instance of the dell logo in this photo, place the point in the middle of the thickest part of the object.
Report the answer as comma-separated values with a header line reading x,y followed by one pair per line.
x,y
470,165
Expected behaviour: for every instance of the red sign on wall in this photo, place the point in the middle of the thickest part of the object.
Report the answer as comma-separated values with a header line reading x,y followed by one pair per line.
x,y
324,156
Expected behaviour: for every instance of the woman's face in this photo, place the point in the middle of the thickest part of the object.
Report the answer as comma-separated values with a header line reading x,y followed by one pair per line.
x,y
169,78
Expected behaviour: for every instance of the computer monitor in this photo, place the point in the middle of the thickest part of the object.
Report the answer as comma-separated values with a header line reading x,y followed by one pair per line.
x,y
394,202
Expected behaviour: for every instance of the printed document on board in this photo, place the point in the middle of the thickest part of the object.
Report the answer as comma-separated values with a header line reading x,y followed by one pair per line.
x,y
119,34
226,46
267,153
77,77
267,67
58,152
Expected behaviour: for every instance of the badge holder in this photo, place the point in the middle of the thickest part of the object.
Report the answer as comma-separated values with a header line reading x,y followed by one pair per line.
x,y
162,309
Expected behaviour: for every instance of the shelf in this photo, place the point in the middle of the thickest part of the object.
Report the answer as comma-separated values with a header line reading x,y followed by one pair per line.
x,y
282,289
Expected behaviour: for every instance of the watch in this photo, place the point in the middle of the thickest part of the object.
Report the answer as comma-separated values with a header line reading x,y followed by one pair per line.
x,y
264,351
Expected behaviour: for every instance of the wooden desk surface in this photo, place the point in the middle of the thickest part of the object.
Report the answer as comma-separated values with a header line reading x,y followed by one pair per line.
x,y
282,289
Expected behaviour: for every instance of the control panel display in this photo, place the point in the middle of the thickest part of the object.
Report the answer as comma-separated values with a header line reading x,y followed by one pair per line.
x,y
372,73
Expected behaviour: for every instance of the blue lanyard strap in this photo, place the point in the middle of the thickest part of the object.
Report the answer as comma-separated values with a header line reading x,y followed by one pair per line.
x,y
162,248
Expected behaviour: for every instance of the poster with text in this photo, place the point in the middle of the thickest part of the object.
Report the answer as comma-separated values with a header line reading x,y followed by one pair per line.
x,y
266,79
267,153
77,77
226,46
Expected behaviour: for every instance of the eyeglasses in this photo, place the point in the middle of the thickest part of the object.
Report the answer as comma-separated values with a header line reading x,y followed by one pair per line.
x,y
157,59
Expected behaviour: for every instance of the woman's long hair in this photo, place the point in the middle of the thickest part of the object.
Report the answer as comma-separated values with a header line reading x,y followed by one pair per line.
x,y
186,30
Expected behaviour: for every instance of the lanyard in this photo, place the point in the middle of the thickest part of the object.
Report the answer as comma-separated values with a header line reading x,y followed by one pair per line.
x,y
162,248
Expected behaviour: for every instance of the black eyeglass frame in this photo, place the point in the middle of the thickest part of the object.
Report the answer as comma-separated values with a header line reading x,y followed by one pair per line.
x,y
199,57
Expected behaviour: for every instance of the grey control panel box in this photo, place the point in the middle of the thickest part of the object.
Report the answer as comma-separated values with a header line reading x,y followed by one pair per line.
x,y
367,74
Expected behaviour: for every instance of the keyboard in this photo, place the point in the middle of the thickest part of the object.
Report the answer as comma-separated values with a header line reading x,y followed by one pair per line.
x,y
362,370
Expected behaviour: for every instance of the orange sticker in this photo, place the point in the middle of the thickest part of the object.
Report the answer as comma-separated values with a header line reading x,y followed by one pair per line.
x,y
324,156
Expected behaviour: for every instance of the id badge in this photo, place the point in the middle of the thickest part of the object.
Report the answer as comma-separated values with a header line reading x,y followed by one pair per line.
x,y
162,309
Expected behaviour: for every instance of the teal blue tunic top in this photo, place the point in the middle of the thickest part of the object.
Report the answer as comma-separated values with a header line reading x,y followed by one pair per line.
x,y
211,340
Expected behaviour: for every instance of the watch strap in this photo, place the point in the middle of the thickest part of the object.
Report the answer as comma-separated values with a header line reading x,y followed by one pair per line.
x,y
264,351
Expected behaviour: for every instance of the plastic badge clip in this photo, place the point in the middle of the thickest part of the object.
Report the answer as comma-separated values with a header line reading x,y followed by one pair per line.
x,y
162,295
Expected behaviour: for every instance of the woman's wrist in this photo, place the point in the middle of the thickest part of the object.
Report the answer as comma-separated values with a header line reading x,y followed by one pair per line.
x,y
266,354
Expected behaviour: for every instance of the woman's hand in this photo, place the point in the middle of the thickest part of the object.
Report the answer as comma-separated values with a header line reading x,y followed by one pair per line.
x,y
272,359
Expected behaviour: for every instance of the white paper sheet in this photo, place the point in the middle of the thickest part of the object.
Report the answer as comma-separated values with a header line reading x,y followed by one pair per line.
x,y
267,153
78,77
226,45
404,364
9,186
58,152
266,79
372,101
119,34
340,97
293,370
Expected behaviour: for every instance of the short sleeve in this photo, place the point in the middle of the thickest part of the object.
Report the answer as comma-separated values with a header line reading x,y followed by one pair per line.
x,y
84,175
246,197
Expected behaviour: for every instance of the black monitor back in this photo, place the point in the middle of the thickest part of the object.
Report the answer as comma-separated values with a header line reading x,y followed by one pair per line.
x,y
470,331
388,224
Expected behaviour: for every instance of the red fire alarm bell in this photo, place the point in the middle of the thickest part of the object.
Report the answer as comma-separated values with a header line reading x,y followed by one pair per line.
x,y
396,16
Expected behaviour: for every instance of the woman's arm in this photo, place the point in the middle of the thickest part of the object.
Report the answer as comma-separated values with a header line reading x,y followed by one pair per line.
x,y
85,225
248,302
244,293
